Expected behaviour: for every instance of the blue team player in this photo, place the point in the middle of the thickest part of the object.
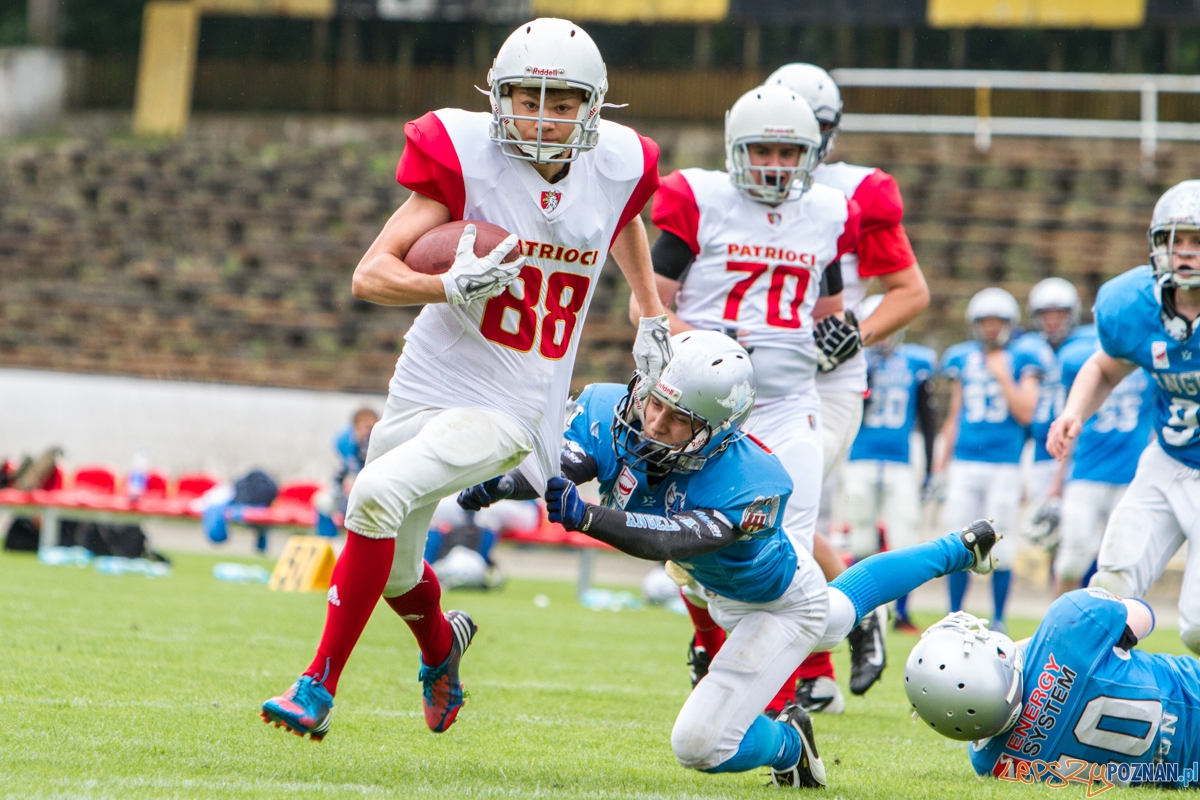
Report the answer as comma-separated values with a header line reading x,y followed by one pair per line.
x,y
681,481
1075,694
1102,465
994,392
1147,318
879,482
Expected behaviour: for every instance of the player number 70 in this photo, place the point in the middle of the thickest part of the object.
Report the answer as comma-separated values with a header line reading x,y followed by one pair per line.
x,y
779,281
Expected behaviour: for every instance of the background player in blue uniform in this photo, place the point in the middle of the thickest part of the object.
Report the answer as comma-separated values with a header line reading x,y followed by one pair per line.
x,y
879,481
992,400
1147,318
681,481
1102,465
1076,690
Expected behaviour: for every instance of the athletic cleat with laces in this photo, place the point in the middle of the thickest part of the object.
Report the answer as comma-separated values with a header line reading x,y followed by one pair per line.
x,y
808,772
820,695
442,691
868,653
980,537
698,661
905,625
303,709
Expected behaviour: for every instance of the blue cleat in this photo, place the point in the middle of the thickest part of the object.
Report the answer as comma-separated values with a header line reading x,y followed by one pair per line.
x,y
442,691
303,709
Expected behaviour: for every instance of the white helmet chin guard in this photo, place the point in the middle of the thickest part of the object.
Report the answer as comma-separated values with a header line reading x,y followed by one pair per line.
x,y
965,680
771,115
1050,294
547,54
993,302
820,91
1177,210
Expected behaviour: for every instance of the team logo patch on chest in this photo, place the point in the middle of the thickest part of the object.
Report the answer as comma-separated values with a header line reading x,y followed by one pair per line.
x,y
774,218
1158,355
623,489
760,515
550,200
674,499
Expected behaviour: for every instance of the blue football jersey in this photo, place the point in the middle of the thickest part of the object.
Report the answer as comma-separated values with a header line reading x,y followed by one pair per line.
x,y
1113,439
746,485
986,430
1128,317
1087,699
891,410
1052,395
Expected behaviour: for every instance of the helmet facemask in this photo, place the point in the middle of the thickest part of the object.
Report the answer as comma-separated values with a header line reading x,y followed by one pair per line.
x,y
585,125
1162,256
638,451
829,120
772,184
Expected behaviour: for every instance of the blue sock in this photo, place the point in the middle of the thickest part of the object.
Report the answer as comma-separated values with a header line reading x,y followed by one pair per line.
x,y
885,576
433,543
767,742
1087,576
1001,579
902,606
958,590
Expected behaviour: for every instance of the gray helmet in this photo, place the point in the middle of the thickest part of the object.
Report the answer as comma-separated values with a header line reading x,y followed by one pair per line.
x,y
965,680
1177,210
709,377
993,302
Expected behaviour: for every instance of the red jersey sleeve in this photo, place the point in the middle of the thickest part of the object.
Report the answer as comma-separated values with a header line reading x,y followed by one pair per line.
x,y
645,187
675,210
849,240
883,246
429,164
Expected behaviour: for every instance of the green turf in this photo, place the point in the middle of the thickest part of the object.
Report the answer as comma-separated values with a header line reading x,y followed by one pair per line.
x,y
133,687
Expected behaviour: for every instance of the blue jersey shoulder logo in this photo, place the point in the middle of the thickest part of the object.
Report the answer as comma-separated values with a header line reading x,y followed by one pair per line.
x,y
760,515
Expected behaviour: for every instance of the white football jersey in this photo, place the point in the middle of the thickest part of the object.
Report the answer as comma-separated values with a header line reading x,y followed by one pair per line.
x,y
758,268
883,247
508,353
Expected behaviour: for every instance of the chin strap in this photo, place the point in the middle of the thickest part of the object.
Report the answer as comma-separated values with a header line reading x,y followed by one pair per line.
x,y
1177,326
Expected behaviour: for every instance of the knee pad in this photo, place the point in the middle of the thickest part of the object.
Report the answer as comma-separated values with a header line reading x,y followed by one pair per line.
x,y
1116,582
1191,638
695,748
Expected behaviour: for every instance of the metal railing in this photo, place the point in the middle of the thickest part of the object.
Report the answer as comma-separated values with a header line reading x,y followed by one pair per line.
x,y
1148,129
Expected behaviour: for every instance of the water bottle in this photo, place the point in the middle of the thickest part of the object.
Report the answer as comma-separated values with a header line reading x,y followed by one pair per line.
x,y
135,481
240,573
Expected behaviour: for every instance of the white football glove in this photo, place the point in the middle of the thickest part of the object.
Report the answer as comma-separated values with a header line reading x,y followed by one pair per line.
x,y
652,347
471,277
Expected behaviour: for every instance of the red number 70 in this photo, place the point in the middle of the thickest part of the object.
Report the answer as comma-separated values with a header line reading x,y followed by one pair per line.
x,y
779,276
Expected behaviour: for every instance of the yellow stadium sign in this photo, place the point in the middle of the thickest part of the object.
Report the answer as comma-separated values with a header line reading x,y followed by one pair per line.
x,y
633,10
311,9
305,566
1036,13
166,67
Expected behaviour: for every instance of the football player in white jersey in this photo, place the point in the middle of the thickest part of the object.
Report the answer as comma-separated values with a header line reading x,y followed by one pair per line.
x,y
482,383
745,251
884,253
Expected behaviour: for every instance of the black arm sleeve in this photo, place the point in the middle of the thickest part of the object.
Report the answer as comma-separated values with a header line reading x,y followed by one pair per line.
x,y
927,419
576,464
657,538
831,279
671,256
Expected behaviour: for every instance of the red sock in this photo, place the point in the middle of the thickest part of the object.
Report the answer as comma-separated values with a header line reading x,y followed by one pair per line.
x,y
785,695
358,579
816,665
421,608
709,634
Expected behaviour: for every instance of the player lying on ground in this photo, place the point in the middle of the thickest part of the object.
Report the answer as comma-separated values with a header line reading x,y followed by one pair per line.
x,y
1077,691
1147,318
482,384
682,482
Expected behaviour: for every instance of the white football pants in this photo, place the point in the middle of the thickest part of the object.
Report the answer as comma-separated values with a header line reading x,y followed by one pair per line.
x,y
881,490
767,642
841,416
1159,512
791,427
1086,508
980,490
1041,477
417,456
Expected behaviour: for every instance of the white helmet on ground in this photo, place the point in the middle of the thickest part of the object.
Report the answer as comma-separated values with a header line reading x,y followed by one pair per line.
x,y
547,54
1054,293
710,378
771,114
820,91
1177,210
993,302
965,680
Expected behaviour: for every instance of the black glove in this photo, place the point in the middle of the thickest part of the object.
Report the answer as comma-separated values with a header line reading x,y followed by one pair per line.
x,y
837,341
482,495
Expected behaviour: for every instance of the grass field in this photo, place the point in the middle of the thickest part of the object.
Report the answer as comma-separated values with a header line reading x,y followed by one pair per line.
x,y
130,687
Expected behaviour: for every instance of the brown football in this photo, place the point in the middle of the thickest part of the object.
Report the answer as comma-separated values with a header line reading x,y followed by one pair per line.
x,y
433,253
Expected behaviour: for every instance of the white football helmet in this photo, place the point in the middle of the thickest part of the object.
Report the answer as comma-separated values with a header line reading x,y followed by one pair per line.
x,y
544,54
993,302
1054,293
820,91
1177,210
709,377
965,680
771,114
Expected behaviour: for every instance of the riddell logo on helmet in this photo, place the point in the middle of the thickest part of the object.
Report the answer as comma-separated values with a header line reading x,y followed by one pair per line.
x,y
774,131
668,391
545,72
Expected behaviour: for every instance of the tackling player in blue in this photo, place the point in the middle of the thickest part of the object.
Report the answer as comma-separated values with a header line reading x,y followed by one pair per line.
x,y
993,396
1147,318
681,481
